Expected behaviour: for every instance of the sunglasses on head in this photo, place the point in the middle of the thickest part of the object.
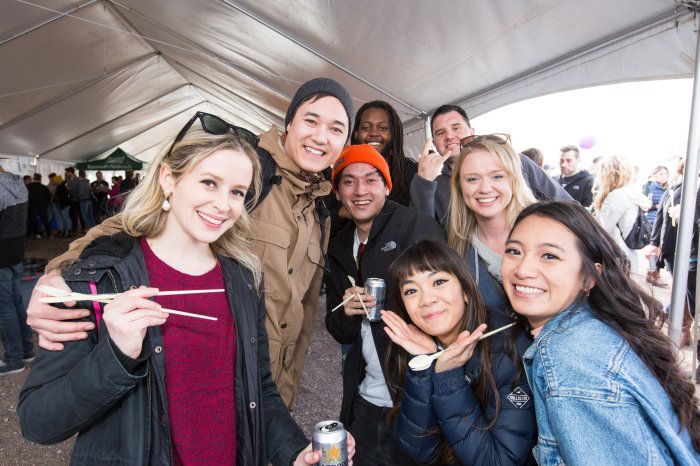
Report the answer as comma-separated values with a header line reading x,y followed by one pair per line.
x,y
212,124
500,138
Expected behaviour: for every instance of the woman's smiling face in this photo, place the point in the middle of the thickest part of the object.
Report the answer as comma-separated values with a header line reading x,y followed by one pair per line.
x,y
435,302
542,269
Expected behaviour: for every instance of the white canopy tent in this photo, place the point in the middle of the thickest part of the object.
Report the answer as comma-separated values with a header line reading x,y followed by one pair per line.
x,y
81,78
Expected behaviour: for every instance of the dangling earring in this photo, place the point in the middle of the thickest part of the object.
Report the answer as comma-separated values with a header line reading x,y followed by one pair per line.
x,y
165,205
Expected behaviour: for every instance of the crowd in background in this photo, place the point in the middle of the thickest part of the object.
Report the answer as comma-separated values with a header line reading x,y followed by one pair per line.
x,y
69,205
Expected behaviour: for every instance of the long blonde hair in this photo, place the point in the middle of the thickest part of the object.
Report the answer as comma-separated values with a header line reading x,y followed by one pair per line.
x,y
462,224
144,216
613,172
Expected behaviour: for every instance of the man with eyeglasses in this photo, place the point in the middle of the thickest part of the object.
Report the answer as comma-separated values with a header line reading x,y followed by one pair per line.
x,y
430,190
291,231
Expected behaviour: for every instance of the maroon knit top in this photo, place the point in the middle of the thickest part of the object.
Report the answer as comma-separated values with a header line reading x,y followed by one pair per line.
x,y
200,360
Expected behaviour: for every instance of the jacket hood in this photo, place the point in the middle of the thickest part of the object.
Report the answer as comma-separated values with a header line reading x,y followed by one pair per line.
x,y
12,190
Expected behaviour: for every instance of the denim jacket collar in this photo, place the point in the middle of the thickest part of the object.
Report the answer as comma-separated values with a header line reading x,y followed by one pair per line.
x,y
553,323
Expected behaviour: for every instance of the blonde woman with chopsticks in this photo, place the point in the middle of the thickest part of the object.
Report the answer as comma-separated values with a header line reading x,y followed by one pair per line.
x,y
147,387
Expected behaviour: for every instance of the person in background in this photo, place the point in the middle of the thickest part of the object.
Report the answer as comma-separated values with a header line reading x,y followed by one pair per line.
x,y
84,194
378,124
618,202
55,208
26,179
38,206
128,183
577,182
535,155
654,189
473,406
147,387
114,203
72,187
15,334
600,367
100,190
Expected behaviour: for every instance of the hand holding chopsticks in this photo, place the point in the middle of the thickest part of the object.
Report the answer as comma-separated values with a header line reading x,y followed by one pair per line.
x,y
57,295
349,298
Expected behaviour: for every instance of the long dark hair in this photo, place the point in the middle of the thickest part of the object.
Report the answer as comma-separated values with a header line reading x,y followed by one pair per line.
x,y
620,303
429,256
393,153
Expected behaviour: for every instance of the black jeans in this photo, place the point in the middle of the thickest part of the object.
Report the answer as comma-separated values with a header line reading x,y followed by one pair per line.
x,y
374,439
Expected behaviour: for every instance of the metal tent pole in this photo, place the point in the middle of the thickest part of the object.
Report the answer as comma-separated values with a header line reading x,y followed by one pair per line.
x,y
690,176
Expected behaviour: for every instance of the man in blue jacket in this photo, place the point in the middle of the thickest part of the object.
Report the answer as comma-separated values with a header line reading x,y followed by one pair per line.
x,y
380,230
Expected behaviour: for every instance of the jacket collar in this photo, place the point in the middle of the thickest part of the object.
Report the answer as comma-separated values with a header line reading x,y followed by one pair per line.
x,y
567,317
314,184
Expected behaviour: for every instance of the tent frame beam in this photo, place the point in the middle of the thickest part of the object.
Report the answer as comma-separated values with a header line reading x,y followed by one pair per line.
x,y
198,48
102,77
47,21
83,134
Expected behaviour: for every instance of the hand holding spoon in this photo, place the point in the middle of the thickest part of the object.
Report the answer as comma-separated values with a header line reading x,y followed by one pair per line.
x,y
423,361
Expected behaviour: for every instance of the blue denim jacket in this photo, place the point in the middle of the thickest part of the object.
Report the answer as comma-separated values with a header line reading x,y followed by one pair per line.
x,y
596,401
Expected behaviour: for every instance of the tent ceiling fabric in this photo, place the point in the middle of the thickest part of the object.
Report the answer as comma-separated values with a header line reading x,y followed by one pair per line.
x,y
88,76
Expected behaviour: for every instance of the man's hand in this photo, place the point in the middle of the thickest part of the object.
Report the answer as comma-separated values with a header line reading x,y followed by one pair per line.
x,y
308,457
407,336
430,163
354,306
46,320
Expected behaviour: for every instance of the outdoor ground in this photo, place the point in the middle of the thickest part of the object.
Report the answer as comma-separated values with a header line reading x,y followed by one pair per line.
x,y
319,397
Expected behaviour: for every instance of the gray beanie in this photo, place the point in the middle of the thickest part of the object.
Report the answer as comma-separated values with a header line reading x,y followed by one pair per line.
x,y
317,86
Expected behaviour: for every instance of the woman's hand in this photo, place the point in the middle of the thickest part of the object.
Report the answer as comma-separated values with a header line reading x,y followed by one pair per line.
x,y
308,457
128,317
460,351
651,250
407,336
354,307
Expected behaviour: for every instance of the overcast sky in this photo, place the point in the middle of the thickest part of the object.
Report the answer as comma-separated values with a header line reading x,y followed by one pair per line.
x,y
644,121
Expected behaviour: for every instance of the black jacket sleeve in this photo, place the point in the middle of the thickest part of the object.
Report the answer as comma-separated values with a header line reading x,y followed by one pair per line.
x,y
541,185
88,379
343,328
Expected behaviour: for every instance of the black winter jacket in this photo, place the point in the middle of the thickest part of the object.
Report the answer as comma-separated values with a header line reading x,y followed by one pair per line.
x,y
446,401
579,186
122,417
395,228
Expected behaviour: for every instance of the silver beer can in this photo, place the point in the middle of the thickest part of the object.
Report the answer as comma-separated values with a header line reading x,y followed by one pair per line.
x,y
377,288
331,440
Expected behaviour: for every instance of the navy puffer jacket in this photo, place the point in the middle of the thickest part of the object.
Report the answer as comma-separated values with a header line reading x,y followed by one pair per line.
x,y
447,402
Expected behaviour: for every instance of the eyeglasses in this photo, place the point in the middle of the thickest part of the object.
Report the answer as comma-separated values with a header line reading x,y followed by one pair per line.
x,y
501,138
212,124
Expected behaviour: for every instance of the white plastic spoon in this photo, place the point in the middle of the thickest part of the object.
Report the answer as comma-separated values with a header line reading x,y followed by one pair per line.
x,y
423,361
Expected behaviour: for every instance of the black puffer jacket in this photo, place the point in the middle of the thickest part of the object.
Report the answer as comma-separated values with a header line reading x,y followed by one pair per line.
x,y
446,402
122,416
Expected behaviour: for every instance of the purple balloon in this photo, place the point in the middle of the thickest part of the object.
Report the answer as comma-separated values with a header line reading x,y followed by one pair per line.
x,y
587,142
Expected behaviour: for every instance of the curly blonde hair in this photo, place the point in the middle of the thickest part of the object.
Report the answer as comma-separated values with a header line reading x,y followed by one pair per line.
x,y
144,216
613,172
